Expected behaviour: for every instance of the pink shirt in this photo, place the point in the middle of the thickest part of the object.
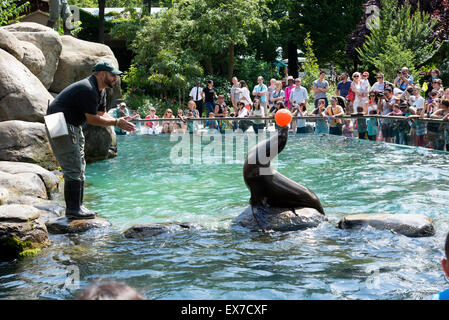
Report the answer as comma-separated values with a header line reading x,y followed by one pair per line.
x,y
288,90
150,123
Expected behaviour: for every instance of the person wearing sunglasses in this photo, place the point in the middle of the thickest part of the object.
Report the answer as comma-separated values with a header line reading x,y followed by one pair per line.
x,y
167,126
360,90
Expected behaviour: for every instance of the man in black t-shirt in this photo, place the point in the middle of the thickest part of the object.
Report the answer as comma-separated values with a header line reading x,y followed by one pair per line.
x,y
209,96
81,102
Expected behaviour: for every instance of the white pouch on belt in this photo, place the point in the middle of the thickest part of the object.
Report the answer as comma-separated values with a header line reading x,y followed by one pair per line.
x,y
56,125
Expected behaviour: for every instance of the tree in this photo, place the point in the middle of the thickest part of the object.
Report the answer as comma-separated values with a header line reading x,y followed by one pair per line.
x,y
413,32
101,6
207,29
10,10
311,68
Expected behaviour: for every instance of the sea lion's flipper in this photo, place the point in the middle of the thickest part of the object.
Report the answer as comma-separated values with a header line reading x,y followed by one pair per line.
x,y
260,214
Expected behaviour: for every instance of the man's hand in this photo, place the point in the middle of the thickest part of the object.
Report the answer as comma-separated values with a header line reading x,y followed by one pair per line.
x,y
125,125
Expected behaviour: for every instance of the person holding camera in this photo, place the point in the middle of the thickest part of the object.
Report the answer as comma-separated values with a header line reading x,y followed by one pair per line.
x,y
298,96
403,79
385,103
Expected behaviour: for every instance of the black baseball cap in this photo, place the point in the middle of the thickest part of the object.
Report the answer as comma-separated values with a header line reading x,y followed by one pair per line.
x,y
106,66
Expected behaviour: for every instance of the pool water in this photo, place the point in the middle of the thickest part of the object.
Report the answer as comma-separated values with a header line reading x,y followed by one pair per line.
x,y
216,260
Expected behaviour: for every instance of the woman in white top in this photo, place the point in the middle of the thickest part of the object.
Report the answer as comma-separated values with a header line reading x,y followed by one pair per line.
x,y
360,89
244,95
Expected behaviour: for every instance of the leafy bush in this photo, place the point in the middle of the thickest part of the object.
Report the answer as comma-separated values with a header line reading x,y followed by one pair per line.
x,y
249,69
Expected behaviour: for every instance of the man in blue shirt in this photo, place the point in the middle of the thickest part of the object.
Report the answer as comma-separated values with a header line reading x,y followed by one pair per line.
x,y
344,85
260,91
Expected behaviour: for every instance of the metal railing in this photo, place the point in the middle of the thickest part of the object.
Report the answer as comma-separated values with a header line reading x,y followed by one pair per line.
x,y
402,130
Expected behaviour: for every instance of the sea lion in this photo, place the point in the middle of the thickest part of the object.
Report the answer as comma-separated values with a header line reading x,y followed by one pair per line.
x,y
268,187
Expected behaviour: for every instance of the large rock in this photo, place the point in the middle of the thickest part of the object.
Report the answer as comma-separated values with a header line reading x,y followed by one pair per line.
x,y
23,184
9,43
50,180
101,143
22,232
410,225
33,58
44,38
22,95
63,225
22,141
280,219
76,62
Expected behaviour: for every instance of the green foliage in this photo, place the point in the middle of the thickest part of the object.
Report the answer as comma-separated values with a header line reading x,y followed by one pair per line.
x,y
310,66
410,31
9,10
397,57
249,68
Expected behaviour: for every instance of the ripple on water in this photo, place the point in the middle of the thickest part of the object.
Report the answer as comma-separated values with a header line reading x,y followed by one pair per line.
x,y
218,261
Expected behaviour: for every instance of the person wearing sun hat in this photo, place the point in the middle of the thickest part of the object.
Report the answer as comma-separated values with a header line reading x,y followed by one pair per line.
x,y
81,102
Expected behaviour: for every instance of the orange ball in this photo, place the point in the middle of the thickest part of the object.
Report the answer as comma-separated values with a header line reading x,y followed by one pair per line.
x,y
283,117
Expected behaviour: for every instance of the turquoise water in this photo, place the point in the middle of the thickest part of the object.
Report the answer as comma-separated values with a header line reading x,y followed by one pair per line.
x,y
216,260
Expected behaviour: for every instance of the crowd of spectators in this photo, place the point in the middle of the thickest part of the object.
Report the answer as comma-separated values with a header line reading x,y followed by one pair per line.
x,y
401,97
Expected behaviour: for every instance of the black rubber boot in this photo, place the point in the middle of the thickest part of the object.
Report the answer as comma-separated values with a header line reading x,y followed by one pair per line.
x,y
83,208
72,195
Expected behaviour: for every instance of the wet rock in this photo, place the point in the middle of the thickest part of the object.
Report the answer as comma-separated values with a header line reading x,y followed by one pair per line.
x,y
280,219
49,211
63,225
22,232
410,225
101,143
142,231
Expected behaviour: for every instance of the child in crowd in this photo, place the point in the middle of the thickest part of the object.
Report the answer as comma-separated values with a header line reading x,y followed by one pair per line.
x,y
361,124
212,125
321,125
372,126
347,129
420,127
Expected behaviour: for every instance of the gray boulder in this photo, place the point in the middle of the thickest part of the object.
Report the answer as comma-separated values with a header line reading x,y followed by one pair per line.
x,y
101,143
22,141
33,58
10,44
63,225
50,180
410,225
280,219
44,38
22,95
76,61
142,231
23,184
22,232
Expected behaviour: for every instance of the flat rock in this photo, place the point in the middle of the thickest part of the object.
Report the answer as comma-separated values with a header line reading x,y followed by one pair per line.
x,y
280,219
18,213
410,225
63,225
142,231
